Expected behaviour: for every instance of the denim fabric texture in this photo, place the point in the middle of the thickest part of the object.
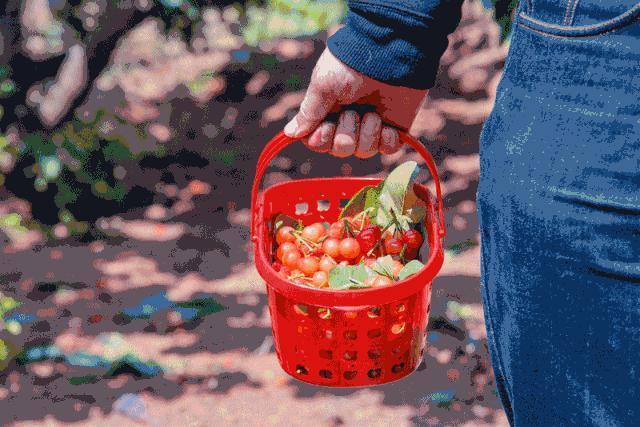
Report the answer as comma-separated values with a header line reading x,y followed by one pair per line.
x,y
559,211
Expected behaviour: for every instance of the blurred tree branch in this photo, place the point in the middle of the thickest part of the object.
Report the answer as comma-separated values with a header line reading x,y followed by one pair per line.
x,y
97,44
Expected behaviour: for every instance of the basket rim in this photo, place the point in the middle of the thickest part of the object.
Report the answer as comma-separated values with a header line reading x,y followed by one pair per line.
x,y
349,298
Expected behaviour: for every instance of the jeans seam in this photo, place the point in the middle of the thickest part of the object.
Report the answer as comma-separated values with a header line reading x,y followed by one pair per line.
x,y
573,12
491,325
585,27
566,12
562,36
492,343
578,31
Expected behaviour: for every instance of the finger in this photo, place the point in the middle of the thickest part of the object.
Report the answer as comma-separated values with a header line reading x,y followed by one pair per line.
x,y
317,102
321,138
344,142
389,140
369,136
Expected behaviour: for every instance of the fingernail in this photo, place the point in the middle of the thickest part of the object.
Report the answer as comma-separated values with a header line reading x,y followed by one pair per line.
x,y
325,134
292,127
351,118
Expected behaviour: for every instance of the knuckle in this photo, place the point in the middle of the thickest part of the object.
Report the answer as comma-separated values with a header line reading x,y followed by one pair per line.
x,y
305,115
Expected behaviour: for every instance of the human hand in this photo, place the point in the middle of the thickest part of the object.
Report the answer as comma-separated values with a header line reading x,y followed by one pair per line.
x,y
334,86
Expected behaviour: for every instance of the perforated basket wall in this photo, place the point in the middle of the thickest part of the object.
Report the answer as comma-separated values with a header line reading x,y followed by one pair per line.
x,y
342,338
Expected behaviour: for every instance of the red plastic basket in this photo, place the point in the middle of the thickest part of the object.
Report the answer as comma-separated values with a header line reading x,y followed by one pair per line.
x,y
342,338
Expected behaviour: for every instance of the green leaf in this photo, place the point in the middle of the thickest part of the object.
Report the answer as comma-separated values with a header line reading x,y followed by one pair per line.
x,y
366,197
360,272
281,220
339,277
372,199
397,195
384,266
349,276
411,268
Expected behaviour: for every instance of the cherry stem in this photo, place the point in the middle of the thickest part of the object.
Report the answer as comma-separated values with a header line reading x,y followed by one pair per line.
x,y
372,250
309,244
404,248
386,227
396,221
348,229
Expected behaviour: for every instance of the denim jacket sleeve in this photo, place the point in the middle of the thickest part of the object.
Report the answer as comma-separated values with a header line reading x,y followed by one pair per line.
x,y
399,42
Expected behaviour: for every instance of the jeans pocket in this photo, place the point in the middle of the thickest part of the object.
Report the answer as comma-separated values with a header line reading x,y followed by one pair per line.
x,y
603,233
587,20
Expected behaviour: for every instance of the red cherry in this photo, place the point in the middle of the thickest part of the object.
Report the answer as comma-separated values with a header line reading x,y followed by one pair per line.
x,y
393,246
326,264
360,221
331,247
412,238
369,237
308,265
313,232
410,253
284,234
290,259
320,279
349,248
336,230
284,248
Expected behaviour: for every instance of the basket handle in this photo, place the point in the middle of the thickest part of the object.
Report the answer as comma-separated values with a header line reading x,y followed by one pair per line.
x,y
281,141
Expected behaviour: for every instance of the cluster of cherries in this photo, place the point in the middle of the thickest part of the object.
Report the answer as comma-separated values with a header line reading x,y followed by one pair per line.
x,y
307,256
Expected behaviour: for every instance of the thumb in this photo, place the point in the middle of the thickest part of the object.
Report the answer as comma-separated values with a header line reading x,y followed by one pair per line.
x,y
314,108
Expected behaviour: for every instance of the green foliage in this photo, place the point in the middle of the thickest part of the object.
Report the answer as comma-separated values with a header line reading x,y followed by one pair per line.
x,y
290,18
15,226
393,200
79,167
4,350
504,10
79,160
349,276
384,266
7,304
460,247
8,351
366,198
83,379
397,198
410,269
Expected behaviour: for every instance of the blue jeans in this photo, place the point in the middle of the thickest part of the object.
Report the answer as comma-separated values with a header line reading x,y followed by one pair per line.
x,y
559,211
